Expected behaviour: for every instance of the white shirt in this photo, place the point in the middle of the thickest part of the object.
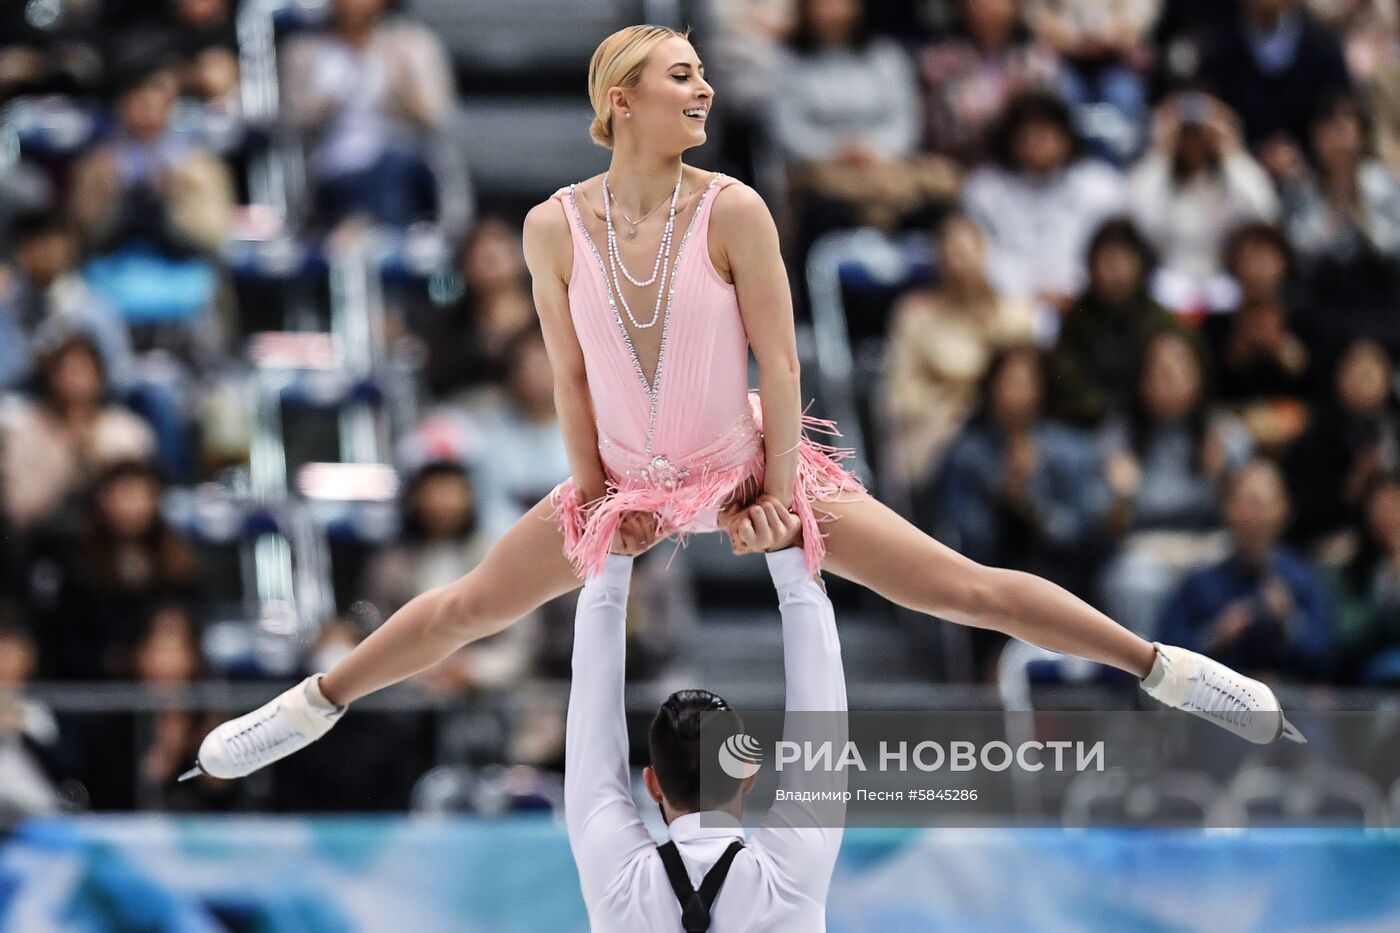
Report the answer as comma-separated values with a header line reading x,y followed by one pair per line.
x,y
1189,221
779,881
1038,228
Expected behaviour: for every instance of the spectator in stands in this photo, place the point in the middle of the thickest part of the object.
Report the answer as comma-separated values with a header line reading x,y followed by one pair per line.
x,y
440,539
46,290
1262,609
1041,202
1102,45
200,38
846,117
941,340
745,57
155,207
29,736
1370,32
969,76
147,182
164,658
51,446
1165,463
1349,200
371,93
1102,337
129,760
1366,592
466,346
48,294
521,440
94,584
46,51
1273,65
1351,438
207,39
1018,490
1196,184
1262,365
1343,216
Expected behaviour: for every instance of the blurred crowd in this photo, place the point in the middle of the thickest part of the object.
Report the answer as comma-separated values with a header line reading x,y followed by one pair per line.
x,y
126,171
1154,360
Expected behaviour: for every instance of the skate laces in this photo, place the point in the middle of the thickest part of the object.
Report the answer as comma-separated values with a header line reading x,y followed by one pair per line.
x,y
255,741
1220,698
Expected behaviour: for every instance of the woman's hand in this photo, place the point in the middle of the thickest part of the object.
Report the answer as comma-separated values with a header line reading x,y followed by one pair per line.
x,y
635,534
763,526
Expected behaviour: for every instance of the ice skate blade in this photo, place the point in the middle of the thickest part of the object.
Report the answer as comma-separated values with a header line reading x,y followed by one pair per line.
x,y
1291,733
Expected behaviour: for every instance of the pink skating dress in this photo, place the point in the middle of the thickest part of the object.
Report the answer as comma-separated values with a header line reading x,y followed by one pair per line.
x,y
681,445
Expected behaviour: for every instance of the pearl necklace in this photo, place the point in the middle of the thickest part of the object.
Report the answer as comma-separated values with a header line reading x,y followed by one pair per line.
x,y
659,268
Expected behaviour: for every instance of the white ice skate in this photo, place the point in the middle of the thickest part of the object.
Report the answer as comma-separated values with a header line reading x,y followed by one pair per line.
x,y
1193,682
271,732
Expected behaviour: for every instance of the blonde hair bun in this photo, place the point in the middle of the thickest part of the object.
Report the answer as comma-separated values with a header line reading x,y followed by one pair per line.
x,y
618,62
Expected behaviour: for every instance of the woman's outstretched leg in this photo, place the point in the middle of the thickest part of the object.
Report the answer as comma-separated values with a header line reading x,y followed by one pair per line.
x,y
523,570
871,544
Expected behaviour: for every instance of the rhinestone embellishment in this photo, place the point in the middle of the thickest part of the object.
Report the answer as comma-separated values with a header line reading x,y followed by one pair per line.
x,y
662,472
653,388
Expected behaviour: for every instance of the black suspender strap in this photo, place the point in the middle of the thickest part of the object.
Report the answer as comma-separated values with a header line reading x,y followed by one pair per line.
x,y
710,884
695,905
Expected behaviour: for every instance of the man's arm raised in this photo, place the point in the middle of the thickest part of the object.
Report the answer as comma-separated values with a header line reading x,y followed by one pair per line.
x,y
605,831
800,852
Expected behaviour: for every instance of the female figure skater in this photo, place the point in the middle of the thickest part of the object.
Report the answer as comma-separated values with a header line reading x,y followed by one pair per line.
x,y
653,282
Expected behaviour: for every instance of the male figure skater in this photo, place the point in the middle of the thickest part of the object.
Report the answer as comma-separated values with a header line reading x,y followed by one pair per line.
x,y
707,877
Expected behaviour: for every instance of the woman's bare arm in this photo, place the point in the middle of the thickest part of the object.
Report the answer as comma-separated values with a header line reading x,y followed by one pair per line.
x,y
549,256
747,242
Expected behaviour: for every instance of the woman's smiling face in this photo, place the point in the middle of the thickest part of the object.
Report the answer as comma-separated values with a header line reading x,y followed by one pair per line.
x,y
671,103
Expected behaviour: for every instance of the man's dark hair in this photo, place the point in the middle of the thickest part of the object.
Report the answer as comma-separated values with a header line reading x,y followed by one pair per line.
x,y
675,751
